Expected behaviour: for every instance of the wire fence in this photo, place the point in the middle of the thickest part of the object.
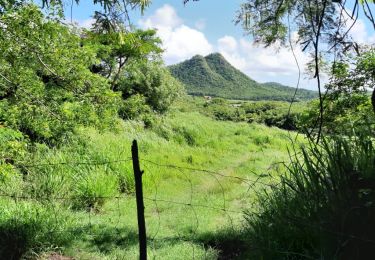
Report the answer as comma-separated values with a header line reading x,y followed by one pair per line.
x,y
176,200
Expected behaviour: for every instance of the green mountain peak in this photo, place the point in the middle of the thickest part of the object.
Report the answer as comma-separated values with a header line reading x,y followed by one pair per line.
x,y
213,75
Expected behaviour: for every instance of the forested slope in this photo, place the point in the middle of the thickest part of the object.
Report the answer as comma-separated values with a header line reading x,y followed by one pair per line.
x,y
213,75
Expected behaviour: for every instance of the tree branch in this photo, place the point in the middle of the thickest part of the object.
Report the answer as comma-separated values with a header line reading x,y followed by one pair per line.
x,y
317,70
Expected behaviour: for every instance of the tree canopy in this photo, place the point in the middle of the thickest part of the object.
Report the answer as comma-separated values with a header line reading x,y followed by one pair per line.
x,y
46,86
55,77
114,14
322,28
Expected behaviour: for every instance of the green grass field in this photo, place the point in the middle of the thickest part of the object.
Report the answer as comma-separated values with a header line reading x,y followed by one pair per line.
x,y
183,138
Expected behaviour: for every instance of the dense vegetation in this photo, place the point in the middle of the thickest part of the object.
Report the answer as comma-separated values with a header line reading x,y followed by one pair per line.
x,y
279,114
91,225
323,208
73,99
214,76
55,78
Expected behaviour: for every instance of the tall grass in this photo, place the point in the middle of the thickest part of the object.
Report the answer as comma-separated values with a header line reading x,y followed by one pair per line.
x,y
324,207
28,228
105,228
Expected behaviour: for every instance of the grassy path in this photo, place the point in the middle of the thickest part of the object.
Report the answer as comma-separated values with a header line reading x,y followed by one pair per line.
x,y
195,226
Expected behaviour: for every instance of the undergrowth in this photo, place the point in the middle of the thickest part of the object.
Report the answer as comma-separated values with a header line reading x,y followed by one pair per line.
x,y
323,207
83,175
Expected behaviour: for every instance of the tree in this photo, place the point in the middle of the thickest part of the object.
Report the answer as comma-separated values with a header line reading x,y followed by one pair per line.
x,y
116,49
114,12
355,75
347,106
149,80
321,25
46,87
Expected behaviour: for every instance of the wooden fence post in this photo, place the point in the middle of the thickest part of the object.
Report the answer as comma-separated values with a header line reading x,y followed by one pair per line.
x,y
140,205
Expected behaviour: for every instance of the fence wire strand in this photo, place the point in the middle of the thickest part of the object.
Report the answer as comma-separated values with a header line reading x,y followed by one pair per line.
x,y
154,172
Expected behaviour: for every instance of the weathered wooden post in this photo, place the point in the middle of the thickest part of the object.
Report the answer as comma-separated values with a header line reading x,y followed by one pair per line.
x,y
140,205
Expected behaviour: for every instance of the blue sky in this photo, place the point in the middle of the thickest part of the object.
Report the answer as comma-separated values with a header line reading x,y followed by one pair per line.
x,y
207,26
215,16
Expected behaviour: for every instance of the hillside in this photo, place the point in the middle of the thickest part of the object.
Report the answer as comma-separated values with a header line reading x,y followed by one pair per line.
x,y
213,75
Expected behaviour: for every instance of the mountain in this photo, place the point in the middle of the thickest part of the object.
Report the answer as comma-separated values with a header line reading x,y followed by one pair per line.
x,y
213,75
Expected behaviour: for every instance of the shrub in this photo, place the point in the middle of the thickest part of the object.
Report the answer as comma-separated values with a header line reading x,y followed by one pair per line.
x,y
92,190
46,88
29,228
185,134
133,107
153,81
13,145
163,131
323,207
344,113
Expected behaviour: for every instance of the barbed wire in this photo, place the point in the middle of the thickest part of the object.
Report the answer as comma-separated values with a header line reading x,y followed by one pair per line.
x,y
49,198
94,163
193,204
209,172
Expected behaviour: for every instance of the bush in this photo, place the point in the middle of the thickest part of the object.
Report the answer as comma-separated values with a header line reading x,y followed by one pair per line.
x,y
134,107
323,207
92,190
29,228
271,113
46,88
13,145
153,82
184,134
344,113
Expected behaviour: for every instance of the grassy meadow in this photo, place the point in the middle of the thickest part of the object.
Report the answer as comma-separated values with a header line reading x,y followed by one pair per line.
x,y
77,199
216,185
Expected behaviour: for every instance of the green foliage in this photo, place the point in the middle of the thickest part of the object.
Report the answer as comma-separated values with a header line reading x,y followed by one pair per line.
x,y
95,165
353,75
271,113
213,75
131,61
92,190
13,150
27,229
347,106
116,49
343,114
134,107
150,81
109,6
325,197
13,146
222,110
46,88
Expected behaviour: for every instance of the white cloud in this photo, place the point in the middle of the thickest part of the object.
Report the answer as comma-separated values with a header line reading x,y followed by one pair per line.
x,y
165,16
86,24
265,64
179,40
359,33
273,60
227,44
184,42
358,30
